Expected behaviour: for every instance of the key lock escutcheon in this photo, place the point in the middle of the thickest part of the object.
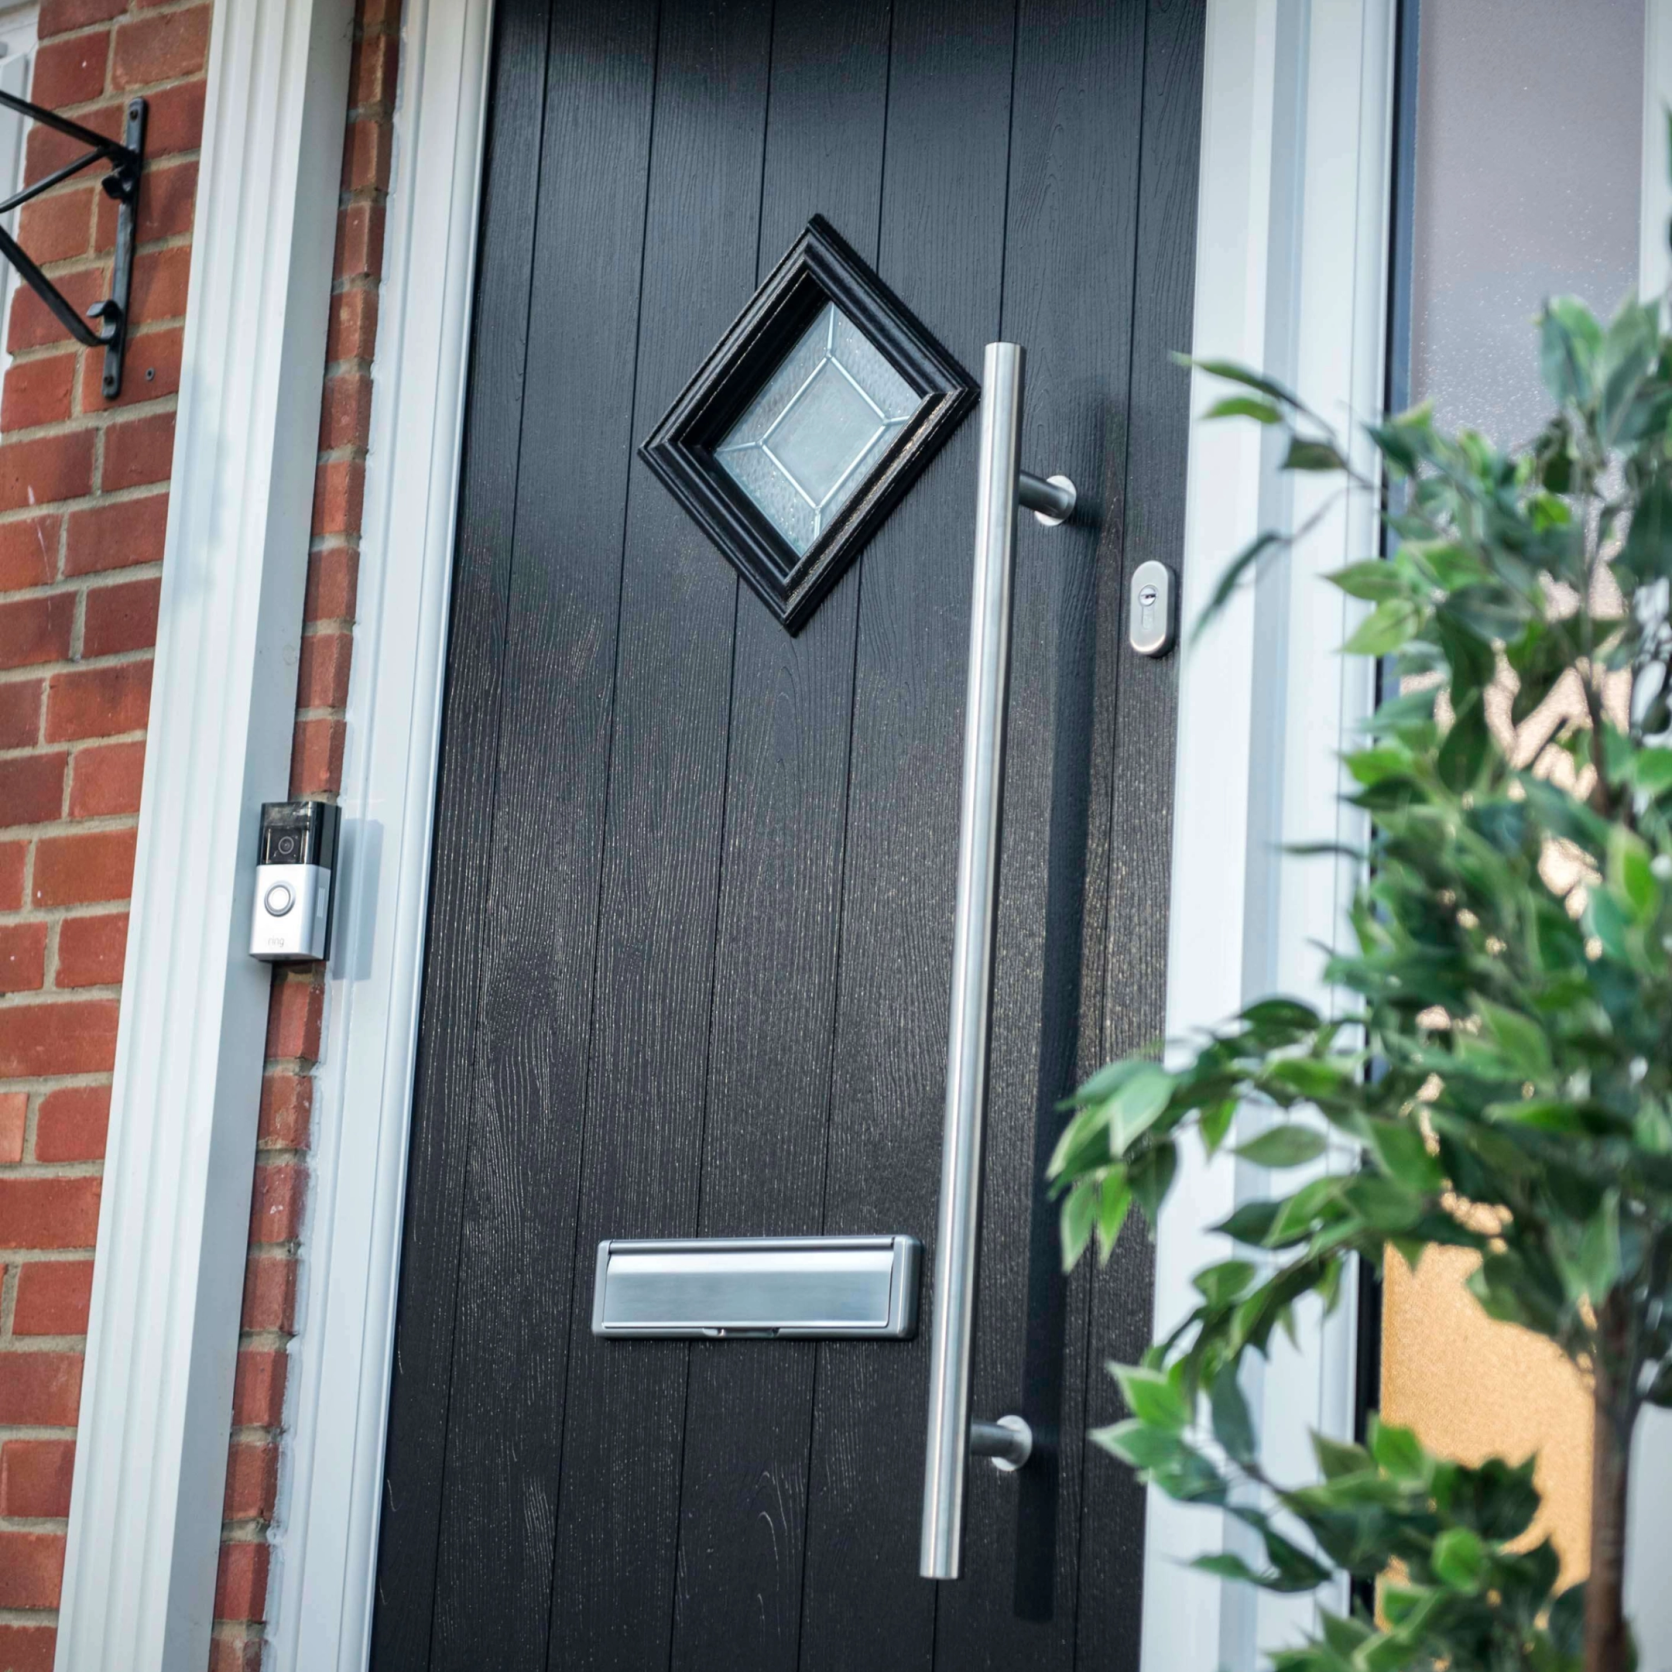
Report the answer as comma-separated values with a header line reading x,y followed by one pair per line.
x,y
1002,489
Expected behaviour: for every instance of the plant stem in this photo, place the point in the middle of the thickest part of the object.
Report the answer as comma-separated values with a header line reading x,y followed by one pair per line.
x,y
1605,1620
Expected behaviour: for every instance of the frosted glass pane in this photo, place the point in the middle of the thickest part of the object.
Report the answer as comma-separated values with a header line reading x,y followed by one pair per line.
x,y
1528,148
819,426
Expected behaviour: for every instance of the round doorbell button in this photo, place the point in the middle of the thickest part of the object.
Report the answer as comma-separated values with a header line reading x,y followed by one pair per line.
x,y
279,899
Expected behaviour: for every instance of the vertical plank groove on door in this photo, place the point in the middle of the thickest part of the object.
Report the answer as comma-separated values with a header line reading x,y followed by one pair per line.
x,y
612,1583
517,1268
432,1226
1137,805
941,248
749,1404
1070,260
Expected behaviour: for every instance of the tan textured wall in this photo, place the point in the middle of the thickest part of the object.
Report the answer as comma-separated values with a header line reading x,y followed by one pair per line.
x,y
1472,1388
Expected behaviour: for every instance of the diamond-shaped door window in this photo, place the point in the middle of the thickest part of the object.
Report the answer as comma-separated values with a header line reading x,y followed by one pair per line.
x,y
813,434
801,431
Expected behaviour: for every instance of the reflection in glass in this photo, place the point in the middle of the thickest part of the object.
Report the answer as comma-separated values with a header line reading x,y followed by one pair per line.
x,y
811,437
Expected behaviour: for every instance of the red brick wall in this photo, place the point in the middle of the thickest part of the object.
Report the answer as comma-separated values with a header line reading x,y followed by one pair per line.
x,y
83,503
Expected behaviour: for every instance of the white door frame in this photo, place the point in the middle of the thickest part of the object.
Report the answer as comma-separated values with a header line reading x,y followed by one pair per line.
x,y
1291,241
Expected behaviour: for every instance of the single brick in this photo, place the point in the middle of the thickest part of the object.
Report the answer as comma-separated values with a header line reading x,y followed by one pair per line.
x,y
70,1124
58,17
117,536
241,1583
269,1292
14,1115
286,1109
98,702
322,676
150,370
81,869
258,1388
22,960
162,48
174,121
40,1389
70,72
276,1202
64,1038
105,779
359,253
295,1015
20,712
366,155
139,453
59,227
333,584
372,79
35,1479
252,1480
33,324
353,331
49,1212
233,1649
160,283
28,1648
90,950
47,468
345,417
316,757
339,494
32,788
29,552
53,1297
37,392
34,630
31,1568
165,207
12,858
121,618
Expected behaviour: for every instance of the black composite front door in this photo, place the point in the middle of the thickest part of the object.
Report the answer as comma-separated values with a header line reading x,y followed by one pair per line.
x,y
690,935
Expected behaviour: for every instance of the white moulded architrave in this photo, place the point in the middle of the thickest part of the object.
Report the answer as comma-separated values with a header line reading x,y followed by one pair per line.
x,y
156,1398
320,1595
1292,278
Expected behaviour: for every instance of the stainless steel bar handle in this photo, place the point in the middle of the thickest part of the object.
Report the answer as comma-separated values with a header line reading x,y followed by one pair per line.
x,y
998,493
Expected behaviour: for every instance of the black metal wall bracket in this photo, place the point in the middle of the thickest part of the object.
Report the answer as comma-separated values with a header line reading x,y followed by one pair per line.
x,y
126,160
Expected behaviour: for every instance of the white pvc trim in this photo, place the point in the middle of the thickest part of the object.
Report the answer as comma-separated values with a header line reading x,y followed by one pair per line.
x,y
320,1596
156,1404
1291,277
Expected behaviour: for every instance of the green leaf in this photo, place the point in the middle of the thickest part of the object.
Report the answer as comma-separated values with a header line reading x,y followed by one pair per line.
x,y
1245,406
1233,1425
1631,875
1312,455
1079,1217
1151,1177
1519,1037
1233,372
1153,1397
1569,338
1220,1284
1115,1201
1404,1155
1391,624
1459,1559
1134,1108
1651,770
1284,1146
1398,1451
1214,1122
1373,581
1337,1459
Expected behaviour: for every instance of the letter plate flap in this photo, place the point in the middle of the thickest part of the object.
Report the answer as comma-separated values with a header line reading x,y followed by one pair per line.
x,y
797,1288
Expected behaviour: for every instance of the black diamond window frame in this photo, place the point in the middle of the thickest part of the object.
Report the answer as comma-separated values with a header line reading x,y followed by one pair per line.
x,y
819,268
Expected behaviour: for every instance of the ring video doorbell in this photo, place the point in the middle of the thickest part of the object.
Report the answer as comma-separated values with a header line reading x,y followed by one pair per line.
x,y
295,865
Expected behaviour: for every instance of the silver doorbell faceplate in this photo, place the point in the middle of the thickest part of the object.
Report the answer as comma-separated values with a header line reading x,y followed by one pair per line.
x,y
295,867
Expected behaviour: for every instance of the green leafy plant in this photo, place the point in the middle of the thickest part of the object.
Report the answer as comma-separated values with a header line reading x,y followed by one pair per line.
x,y
1501,1063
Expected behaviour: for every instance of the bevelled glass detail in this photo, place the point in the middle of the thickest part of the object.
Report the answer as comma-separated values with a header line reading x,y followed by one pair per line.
x,y
810,438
